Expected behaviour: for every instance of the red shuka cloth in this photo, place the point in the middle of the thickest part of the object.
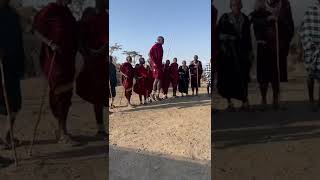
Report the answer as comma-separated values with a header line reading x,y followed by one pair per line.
x,y
57,23
149,81
156,55
127,82
174,74
92,82
141,85
165,78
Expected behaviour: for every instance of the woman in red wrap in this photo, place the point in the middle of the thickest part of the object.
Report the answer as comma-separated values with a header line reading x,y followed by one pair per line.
x,y
166,79
156,55
140,87
127,72
174,76
92,82
57,28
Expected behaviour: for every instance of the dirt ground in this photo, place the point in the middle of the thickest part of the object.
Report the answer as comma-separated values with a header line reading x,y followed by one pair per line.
x,y
270,145
52,161
161,141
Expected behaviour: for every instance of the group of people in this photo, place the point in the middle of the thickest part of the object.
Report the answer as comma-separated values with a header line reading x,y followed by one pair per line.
x,y
155,78
62,37
273,28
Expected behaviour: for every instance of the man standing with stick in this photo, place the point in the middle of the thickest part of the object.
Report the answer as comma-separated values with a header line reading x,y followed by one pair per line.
x,y
57,28
281,16
112,81
174,76
195,73
127,72
12,70
92,82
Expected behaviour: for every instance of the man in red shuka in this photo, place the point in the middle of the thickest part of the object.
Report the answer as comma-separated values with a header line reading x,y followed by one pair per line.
x,y
174,76
149,82
127,72
156,55
92,82
57,28
166,79
140,87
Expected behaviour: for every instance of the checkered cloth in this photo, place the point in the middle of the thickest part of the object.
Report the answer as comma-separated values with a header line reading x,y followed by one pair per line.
x,y
207,73
310,38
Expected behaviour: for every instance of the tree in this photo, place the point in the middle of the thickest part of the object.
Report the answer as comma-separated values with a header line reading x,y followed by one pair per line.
x,y
132,54
113,48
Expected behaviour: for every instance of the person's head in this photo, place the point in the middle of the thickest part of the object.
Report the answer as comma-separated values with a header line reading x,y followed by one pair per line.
x,y
142,61
160,40
110,59
259,4
168,62
129,59
184,63
101,4
236,6
195,57
4,3
274,1
175,60
64,2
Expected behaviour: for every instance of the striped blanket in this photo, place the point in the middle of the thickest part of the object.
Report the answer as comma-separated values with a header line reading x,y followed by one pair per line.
x,y
310,38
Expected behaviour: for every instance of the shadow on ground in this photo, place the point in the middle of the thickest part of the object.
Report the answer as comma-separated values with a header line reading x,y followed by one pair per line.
x,y
295,122
180,103
128,164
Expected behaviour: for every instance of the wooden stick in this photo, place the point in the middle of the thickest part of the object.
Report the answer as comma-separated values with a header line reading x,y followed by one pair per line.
x,y
41,106
198,75
9,115
278,57
110,91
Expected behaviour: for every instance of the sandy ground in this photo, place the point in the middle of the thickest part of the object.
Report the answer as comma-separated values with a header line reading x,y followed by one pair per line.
x,y
51,161
282,145
161,141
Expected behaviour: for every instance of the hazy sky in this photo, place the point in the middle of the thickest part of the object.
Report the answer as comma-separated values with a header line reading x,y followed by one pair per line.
x,y
185,24
298,7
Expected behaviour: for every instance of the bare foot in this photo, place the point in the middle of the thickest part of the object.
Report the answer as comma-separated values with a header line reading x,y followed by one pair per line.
x,y
67,140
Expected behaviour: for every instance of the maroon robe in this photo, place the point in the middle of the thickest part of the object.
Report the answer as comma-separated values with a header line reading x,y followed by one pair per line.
x,y
174,75
286,33
156,55
127,80
92,82
149,80
165,83
57,23
196,74
140,87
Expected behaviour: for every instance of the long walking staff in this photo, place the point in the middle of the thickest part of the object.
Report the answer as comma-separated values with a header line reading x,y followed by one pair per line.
x,y
41,105
278,57
169,50
190,78
110,91
124,90
9,115
198,76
